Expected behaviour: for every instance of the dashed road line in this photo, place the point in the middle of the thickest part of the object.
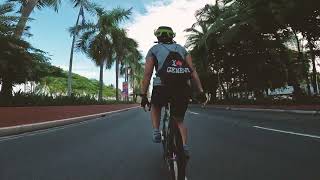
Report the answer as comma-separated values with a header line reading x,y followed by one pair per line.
x,y
193,113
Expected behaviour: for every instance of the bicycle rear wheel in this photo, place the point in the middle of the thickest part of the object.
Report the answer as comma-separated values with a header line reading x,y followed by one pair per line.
x,y
177,165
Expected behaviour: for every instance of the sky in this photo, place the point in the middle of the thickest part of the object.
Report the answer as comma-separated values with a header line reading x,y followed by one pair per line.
x,y
50,29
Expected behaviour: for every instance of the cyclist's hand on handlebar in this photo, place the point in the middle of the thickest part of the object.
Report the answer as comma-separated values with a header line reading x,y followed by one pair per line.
x,y
145,102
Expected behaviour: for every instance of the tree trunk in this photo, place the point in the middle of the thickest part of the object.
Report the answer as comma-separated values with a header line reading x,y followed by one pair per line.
x,y
318,83
305,71
218,88
127,80
314,70
25,13
296,86
308,84
71,57
133,84
101,81
6,89
225,94
267,92
258,94
117,79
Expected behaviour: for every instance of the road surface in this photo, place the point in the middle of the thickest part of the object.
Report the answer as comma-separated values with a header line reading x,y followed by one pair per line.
x,y
225,145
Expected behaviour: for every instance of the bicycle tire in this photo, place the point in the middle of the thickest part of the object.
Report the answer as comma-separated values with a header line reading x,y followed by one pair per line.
x,y
178,163
181,160
173,151
164,134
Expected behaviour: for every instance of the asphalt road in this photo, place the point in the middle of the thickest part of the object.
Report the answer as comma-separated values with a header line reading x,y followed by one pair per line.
x,y
225,145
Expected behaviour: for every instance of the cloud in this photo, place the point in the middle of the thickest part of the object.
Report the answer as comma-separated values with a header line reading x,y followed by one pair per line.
x,y
178,14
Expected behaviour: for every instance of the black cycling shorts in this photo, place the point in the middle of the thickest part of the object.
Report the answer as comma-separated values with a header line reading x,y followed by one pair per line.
x,y
178,98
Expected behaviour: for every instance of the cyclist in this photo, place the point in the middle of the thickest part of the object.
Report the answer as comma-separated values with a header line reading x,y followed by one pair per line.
x,y
179,92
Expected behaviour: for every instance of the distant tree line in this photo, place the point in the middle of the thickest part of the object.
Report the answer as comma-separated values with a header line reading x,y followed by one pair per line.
x,y
249,46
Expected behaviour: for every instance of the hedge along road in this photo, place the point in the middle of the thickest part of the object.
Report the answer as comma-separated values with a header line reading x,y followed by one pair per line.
x,y
224,145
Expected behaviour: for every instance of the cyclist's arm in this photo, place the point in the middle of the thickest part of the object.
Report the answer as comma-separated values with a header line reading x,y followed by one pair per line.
x,y
148,70
194,74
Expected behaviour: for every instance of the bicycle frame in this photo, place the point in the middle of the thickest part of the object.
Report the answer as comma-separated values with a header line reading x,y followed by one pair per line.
x,y
173,147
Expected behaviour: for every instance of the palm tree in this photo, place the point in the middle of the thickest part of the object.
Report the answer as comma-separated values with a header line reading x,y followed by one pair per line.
x,y
27,7
136,74
82,5
7,21
96,38
19,61
197,38
12,50
132,62
123,46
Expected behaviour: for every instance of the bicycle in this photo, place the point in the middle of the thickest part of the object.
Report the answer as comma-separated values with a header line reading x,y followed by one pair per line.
x,y
173,151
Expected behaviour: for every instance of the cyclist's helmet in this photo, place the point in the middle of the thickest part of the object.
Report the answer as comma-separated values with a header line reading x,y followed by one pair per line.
x,y
164,31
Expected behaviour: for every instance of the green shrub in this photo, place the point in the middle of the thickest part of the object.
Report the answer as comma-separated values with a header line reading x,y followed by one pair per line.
x,y
31,99
306,100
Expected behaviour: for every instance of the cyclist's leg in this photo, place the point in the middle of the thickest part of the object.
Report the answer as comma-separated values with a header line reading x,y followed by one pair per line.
x,y
155,116
178,115
184,132
179,105
158,100
179,99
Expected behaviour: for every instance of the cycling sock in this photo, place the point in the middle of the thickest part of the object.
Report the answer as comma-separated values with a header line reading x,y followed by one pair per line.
x,y
186,147
186,151
156,136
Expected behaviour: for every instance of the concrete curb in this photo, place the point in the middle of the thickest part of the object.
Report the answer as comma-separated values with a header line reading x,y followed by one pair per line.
x,y
309,112
14,130
275,110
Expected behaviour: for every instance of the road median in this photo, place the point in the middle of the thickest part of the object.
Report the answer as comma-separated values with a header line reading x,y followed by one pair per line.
x,y
19,120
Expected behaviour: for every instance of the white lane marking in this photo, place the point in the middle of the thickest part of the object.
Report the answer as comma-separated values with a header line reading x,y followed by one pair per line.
x,y
288,132
193,112
53,129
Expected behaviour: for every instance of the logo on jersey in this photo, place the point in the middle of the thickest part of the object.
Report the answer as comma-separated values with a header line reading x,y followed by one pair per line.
x,y
176,63
175,68
179,63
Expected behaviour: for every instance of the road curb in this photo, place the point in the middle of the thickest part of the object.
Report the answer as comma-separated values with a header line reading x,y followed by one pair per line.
x,y
14,130
275,110
309,112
